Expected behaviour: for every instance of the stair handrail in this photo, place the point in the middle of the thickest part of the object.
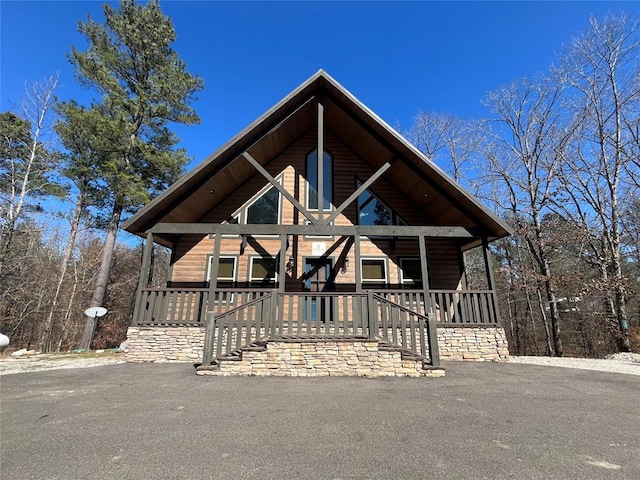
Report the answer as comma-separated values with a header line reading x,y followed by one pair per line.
x,y
214,323
430,326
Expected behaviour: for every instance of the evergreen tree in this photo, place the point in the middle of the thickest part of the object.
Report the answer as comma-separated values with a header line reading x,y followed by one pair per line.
x,y
144,86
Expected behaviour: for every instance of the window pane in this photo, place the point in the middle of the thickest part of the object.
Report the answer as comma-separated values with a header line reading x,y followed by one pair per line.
x,y
226,267
312,179
373,270
263,269
375,213
411,270
265,209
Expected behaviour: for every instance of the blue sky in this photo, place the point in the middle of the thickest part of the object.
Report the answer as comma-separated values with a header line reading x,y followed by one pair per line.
x,y
398,58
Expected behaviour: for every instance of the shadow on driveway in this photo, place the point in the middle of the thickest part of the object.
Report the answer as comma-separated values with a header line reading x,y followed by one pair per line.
x,y
489,421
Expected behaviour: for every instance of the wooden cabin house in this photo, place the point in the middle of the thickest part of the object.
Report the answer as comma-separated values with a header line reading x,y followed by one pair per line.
x,y
285,261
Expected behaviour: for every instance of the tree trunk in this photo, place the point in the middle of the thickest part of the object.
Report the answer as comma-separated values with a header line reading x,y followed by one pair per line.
x,y
45,341
102,279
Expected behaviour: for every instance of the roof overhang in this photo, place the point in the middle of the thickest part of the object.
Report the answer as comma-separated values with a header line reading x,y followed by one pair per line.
x,y
424,183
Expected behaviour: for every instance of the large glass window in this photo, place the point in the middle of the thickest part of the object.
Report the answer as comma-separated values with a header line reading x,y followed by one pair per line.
x,y
373,211
312,180
264,210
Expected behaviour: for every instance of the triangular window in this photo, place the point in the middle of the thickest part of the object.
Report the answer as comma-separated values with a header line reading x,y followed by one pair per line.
x,y
373,211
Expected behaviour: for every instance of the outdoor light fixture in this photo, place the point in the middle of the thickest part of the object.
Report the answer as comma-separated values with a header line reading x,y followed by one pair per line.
x,y
345,265
290,264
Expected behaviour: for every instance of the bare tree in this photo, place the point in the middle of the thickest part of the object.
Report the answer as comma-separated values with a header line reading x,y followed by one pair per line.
x,y
25,162
601,70
525,139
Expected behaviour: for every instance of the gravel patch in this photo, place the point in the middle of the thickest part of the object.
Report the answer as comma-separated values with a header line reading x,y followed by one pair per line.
x,y
35,363
628,363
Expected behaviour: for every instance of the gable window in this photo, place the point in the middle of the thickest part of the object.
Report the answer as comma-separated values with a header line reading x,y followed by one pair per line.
x,y
265,209
262,270
373,270
373,211
411,272
312,180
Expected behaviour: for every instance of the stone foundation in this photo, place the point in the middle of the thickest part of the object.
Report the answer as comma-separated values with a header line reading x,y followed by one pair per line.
x,y
185,344
474,344
165,344
322,359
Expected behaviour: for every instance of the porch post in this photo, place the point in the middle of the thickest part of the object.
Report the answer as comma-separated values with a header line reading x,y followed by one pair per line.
x,y
283,263
424,268
213,278
490,280
320,158
358,274
144,276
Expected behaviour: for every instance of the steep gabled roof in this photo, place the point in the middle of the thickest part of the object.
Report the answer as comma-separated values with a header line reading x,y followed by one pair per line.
x,y
423,182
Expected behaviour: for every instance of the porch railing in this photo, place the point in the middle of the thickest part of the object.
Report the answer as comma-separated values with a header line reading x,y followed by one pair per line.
x,y
188,305
456,307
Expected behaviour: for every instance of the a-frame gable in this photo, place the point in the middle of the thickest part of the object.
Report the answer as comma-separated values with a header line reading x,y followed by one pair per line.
x,y
319,103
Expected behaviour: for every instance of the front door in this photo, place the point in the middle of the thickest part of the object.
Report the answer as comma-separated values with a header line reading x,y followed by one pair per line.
x,y
317,278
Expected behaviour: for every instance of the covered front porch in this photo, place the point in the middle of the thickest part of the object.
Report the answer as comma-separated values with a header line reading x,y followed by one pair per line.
x,y
294,307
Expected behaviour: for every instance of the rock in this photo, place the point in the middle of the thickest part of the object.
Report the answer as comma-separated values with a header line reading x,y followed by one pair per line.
x,y
100,351
124,346
19,353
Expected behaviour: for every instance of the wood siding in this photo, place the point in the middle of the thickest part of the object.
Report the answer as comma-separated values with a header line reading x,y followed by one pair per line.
x,y
192,252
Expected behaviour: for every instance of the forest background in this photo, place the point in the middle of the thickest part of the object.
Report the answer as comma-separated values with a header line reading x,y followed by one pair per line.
x,y
557,154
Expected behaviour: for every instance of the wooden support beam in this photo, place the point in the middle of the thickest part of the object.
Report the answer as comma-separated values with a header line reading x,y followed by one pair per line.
x,y
359,191
491,284
320,160
144,276
283,262
209,335
279,187
424,268
213,278
358,266
327,230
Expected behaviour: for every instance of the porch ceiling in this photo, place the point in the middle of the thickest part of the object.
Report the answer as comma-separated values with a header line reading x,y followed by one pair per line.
x,y
415,176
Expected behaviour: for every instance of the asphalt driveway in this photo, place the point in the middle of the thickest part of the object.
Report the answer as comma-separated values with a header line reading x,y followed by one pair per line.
x,y
162,421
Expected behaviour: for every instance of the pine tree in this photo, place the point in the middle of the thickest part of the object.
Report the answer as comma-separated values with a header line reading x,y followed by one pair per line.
x,y
144,87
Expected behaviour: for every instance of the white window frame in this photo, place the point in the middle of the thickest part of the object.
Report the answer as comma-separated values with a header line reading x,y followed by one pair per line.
x,y
252,258
377,280
407,281
223,279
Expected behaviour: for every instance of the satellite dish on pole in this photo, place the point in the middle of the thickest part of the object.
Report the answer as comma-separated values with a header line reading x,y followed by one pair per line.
x,y
95,312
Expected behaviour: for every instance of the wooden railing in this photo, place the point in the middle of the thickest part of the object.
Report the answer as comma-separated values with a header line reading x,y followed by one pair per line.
x,y
188,305
319,315
403,327
460,307
171,305
238,328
